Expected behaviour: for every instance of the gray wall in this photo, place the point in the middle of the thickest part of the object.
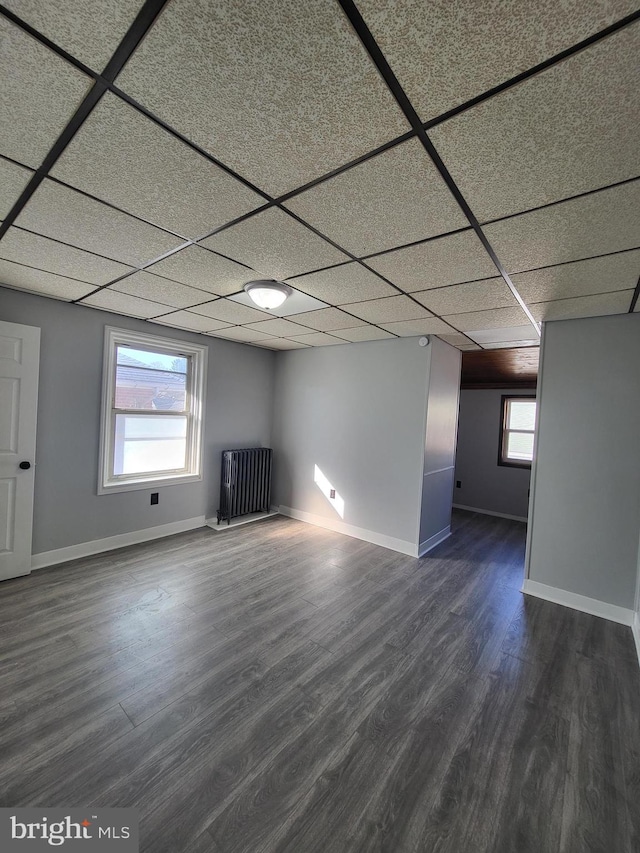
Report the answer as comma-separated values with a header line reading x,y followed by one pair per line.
x,y
586,499
637,601
440,439
485,484
67,509
358,412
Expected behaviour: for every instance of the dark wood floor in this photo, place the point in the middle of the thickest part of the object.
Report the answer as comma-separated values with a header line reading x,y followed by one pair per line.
x,y
284,688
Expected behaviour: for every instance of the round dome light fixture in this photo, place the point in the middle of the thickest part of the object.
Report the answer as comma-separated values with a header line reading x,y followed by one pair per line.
x,y
267,293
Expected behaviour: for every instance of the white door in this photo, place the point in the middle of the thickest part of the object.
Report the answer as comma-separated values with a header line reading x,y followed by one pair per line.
x,y
19,364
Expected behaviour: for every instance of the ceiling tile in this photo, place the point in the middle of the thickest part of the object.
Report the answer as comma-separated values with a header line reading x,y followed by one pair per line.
x,y
197,267
509,344
162,290
242,333
448,52
326,320
187,320
454,339
121,156
387,310
281,343
363,333
493,335
279,328
13,179
296,303
597,275
23,247
40,93
276,245
39,281
494,318
123,303
596,224
446,260
346,283
394,198
63,214
409,328
77,28
318,339
259,86
560,133
231,312
473,296
596,305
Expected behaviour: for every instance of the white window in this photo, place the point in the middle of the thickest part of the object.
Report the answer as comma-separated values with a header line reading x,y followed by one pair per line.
x,y
152,411
517,431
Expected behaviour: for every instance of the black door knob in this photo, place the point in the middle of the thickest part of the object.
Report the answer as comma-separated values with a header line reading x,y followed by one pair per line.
x,y
25,466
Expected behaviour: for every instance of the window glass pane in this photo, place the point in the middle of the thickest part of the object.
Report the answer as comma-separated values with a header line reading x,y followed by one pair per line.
x,y
146,358
143,388
520,446
522,414
150,443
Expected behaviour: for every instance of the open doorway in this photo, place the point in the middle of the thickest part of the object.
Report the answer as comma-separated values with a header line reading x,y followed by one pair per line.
x,y
495,431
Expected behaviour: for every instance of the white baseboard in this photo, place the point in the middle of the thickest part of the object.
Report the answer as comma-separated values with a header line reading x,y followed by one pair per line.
x,y
401,545
579,602
434,540
635,627
220,527
490,512
97,546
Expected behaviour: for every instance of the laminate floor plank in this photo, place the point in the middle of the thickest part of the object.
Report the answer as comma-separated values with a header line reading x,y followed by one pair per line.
x,y
595,798
395,817
42,680
130,625
503,738
281,688
220,763
257,815
323,819
529,766
378,622
99,733
540,629
160,744
226,663
407,700
628,688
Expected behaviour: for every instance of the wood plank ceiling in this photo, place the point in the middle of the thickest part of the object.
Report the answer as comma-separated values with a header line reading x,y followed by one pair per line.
x,y
501,368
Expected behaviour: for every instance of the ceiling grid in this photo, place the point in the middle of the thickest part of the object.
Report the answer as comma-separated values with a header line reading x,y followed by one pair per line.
x,y
158,200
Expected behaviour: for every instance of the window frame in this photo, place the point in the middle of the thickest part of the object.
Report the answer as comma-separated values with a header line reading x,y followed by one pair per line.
x,y
109,483
503,460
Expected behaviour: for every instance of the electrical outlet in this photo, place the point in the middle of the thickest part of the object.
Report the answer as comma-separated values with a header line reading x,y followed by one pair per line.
x,y
458,484
332,494
154,498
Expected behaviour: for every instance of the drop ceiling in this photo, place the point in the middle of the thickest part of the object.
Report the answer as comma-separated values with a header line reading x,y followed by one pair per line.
x,y
408,168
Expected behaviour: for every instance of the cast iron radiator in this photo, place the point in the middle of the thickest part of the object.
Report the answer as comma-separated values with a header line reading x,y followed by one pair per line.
x,y
245,482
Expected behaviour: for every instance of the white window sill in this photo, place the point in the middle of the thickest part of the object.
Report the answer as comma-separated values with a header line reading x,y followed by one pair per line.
x,y
136,485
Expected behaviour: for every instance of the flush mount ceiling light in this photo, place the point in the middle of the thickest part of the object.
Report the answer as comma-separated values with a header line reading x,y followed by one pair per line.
x,y
267,293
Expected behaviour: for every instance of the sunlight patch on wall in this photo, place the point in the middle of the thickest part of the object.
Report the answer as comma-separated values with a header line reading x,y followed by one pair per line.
x,y
328,491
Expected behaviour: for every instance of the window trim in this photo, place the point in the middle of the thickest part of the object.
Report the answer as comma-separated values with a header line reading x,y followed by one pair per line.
x,y
502,460
196,390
